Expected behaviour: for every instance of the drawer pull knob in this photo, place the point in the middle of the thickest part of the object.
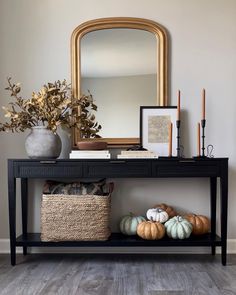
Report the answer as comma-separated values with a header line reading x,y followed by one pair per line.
x,y
117,162
48,162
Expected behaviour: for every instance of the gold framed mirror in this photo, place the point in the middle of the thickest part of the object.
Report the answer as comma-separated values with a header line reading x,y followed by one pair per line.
x,y
129,53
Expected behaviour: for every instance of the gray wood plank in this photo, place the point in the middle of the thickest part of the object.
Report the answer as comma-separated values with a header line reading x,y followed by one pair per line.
x,y
201,284
227,292
98,277
166,293
39,277
223,277
10,277
129,277
66,277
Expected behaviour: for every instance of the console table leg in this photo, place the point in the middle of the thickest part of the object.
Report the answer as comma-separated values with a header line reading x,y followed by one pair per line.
x,y
12,211
24,209
24,250
224,209
13,255
223,255
213,188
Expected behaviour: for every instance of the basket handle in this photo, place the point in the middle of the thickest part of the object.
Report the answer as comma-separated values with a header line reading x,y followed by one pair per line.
x,y
110,187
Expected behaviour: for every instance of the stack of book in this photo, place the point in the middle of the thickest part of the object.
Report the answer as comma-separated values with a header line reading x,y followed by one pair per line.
x,y
136,154
90,154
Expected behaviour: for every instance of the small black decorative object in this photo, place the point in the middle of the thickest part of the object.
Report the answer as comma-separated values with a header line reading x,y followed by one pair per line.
x,y
178,138
182,151
210,149
203,125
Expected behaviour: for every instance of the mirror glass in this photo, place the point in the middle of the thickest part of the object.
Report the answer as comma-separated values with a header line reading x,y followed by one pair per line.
x,y
119,68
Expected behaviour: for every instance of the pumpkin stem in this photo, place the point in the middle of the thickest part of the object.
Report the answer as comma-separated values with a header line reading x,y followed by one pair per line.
x,y
179,218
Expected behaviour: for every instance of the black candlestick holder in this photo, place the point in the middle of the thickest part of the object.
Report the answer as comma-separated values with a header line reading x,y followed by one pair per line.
x,y
203,125
178,138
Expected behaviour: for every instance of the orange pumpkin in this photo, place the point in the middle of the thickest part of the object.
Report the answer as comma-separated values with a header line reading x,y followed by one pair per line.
x,y
200,223
150,230
171,212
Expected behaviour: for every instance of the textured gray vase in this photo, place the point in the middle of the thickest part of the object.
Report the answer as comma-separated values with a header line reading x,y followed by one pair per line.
x,y
42,143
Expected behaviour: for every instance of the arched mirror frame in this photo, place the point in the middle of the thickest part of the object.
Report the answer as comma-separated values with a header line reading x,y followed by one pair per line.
x,y
119,22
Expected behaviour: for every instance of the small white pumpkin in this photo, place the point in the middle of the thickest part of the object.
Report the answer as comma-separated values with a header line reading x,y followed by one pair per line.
x,y
157,214
129,223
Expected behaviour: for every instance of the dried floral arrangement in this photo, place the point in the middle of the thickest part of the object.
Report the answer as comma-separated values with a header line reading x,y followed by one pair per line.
x,y
52,106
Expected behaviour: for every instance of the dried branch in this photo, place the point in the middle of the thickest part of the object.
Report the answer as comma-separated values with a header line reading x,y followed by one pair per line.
x,y
52,106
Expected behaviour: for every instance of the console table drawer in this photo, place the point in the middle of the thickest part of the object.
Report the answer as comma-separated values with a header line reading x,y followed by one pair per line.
x,y
120,169
185,169
45,169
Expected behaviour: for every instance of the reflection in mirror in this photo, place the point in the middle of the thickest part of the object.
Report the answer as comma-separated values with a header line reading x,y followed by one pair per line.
x,y
119,67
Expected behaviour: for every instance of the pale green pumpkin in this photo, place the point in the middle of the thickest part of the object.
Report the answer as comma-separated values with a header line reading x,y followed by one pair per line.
x,y
129,223
178,228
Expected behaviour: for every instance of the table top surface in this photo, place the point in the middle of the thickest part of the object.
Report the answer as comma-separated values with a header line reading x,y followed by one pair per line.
x,y
167,159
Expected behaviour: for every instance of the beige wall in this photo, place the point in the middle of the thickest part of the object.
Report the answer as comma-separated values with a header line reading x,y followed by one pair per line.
x,y
35,38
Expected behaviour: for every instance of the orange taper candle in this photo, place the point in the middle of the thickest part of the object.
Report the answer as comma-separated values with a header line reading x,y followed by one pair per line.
x,y
178,106
170,139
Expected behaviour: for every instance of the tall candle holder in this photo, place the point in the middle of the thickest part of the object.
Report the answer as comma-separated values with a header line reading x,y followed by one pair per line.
x,y
203,125
178,138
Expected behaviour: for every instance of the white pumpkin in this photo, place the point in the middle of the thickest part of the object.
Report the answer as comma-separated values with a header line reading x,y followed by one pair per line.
x,y
157,214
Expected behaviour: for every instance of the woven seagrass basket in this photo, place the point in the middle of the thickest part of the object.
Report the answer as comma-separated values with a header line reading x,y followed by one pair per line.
x,y
75,217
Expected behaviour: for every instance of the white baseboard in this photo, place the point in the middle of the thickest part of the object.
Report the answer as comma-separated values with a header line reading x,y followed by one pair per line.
x,y
231,249
4,246
231,246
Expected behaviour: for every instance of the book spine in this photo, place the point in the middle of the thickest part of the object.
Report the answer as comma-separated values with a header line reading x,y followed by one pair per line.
x,y
137,153
90,156
89,151
136,156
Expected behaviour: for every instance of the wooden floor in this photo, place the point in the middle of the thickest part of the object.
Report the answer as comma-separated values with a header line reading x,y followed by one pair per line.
x,y
117,275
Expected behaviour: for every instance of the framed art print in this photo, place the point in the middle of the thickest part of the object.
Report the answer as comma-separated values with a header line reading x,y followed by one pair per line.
x,y
154,129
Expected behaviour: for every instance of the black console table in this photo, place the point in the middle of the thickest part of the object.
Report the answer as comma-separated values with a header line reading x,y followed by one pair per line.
x,y
136,168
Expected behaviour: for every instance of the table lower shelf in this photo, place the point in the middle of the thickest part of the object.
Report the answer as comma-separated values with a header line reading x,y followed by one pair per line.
x,y
120,240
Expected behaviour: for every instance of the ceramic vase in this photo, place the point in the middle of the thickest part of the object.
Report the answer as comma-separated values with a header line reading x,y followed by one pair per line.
x,y
42,143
